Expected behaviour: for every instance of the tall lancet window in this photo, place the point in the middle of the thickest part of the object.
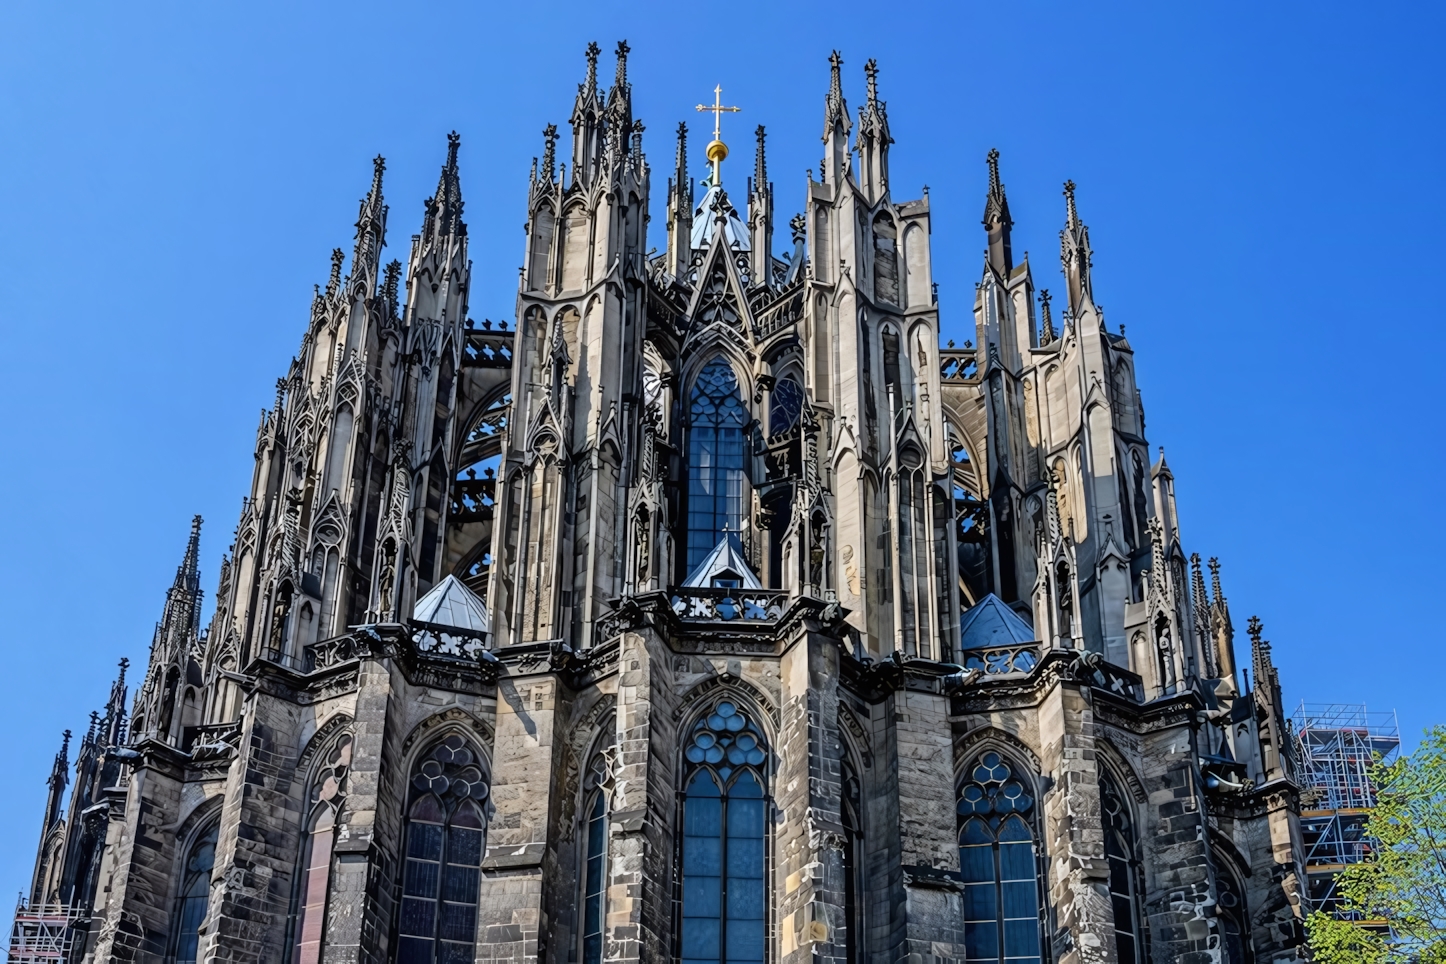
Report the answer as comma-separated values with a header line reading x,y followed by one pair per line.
x,y
193,897
717,482
1122,850
597,789
724,849
441,874
313,880
851,813
997,861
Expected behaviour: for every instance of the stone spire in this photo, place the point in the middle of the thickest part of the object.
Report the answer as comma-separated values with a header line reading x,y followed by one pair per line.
x,y
371,231
760,215
1074,255
444,209
549,155
588,123
997,221
1046,328
620,97
680,209
836,125
1201,605
1220,623
874,139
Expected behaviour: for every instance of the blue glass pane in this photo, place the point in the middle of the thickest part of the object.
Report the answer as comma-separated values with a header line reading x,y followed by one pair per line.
x,y
702,785
424,840
459,922
745,899
594,874
745,941
703,816
193,912
419,917
701,896
745,817
976,862
700,937
592,949
703,855
420,878
414,950
976,831
981,902
1016,861
746,785
464,847
745,857
981,941
1015,828
460,884
1021,938
1021,900
592,914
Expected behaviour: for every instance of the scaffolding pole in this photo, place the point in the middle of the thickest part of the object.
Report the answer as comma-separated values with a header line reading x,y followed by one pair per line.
x,y
43,933
1336,745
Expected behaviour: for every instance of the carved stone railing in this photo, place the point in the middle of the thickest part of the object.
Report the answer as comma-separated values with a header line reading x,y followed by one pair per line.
x,y
488,347
473,498
1003,660
730,605
448,642
958,364
328,653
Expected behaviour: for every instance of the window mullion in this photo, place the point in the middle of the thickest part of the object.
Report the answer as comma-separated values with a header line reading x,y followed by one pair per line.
x,y
723,881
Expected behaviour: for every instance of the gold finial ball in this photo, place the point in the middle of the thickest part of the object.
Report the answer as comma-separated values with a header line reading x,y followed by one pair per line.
x,y
716,151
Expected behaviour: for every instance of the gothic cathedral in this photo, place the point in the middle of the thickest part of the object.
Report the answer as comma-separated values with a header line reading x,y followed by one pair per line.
x,y
711,613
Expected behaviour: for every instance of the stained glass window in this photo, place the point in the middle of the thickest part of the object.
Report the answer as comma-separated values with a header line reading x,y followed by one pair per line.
x,y
594,880
717,484
441,876
192,900
1120,850
785,404
996,858
851,811
724,841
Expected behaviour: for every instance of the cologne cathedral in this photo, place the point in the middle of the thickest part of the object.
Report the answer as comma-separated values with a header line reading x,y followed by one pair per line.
x,y
711,612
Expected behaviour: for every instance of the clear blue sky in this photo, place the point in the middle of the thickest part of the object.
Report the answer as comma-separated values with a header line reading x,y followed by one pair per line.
x,y
1262,184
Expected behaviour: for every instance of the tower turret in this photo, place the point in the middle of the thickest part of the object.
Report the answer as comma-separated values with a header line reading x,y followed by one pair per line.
x,y
760,216
680,210
836,127
997,221
874,140
1074,254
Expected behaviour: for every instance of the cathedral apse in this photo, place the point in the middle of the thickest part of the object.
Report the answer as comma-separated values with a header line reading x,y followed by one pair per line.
x,y
710,611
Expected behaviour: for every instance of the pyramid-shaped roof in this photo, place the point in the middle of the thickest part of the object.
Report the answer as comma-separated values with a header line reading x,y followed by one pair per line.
x,y
990,623
449,603
725,561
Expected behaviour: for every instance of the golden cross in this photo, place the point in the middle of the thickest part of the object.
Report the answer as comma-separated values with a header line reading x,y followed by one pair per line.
x,y
718,109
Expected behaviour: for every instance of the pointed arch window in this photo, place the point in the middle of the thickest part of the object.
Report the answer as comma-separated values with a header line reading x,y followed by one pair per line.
x,y
193,897
851,814
1121,850
717,453
785,405
1234,918
724,841
441,872
1002,888
594,869
313,880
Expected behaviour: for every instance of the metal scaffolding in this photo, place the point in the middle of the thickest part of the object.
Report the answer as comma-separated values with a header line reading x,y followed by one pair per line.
x,y
43,933
1336,745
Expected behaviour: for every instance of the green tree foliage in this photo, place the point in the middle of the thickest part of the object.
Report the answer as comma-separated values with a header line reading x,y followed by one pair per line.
x,y
1403,882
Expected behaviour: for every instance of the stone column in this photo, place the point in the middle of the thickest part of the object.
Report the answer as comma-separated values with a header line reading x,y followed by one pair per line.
x,y
1179,895
132,901
1079,874
809,838
640,825
367,850
933,909
511,916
